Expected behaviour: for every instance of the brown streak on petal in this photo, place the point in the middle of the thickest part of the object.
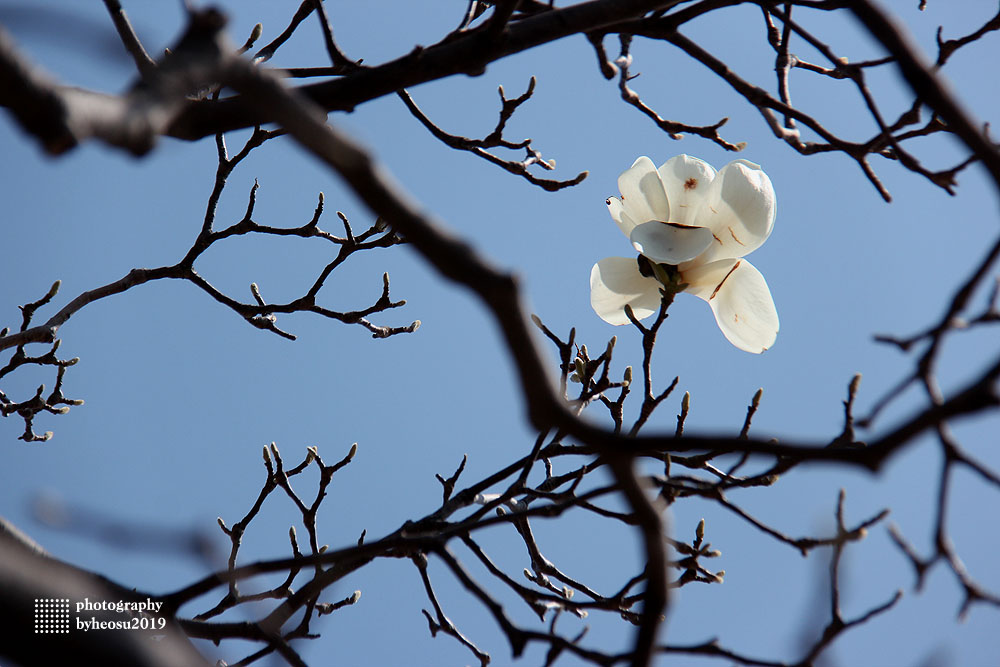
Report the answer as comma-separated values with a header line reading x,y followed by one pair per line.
x,y
733,234
716,238
719,286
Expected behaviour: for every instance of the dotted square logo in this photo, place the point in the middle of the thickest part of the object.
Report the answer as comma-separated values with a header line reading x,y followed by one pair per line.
x,y
51,616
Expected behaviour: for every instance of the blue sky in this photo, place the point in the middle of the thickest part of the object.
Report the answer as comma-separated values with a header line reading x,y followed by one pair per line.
x,y
181,395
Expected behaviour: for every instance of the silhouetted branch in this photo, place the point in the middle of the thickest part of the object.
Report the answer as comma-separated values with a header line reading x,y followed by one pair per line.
x,y
495,140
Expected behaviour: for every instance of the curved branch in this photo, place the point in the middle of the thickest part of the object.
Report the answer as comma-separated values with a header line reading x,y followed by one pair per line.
x,y
469,53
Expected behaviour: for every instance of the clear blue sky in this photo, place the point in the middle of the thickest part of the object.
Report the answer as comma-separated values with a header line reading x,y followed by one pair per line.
x,y
181,394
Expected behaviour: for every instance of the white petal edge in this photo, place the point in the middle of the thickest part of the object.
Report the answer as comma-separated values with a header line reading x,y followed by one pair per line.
x,y
685,180
615,282
642,192
621,218
741,301
670,243
739,207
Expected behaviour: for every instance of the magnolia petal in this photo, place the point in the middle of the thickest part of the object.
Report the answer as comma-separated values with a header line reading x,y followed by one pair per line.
x,y
702,280
685,180
669,242
615,282
740,300
642,192
621,217
739,207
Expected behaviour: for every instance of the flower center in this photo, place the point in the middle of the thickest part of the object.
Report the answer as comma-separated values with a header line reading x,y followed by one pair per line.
x,y
667,275
645,266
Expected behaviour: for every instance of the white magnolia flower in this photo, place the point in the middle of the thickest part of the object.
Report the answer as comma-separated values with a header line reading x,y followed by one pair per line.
x,y
692,226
